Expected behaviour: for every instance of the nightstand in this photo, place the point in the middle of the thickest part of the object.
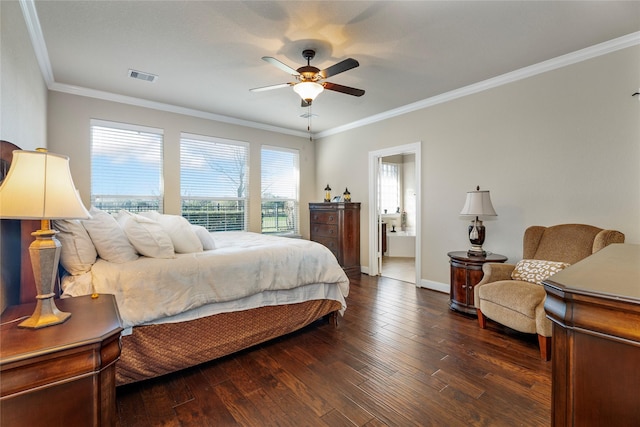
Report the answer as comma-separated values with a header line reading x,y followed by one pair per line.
x,y
61,375
466,272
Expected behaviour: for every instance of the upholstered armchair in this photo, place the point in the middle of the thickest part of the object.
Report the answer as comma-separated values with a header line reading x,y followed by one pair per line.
x,y
519,303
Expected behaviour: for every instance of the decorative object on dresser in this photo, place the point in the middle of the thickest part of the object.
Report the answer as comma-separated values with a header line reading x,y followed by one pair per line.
x,y
466,272
477,203
337,226
346,196
594,307
62,376
513,294
39,186
327,193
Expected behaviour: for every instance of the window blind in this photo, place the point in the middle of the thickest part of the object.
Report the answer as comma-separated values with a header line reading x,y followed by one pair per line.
x,y
214,178
126,167
280,176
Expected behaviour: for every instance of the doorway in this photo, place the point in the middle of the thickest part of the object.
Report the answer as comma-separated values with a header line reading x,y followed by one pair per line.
x,y
394,212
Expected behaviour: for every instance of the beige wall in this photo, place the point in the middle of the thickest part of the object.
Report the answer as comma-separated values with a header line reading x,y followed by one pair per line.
x,y
68,131
560,147
23,92
23,104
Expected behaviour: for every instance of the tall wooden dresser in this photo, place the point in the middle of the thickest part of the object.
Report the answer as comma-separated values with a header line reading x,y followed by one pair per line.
x,y
337,226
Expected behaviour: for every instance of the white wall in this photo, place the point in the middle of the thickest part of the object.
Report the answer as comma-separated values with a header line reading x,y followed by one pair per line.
x,y
23,103
68,131
559,147
23,92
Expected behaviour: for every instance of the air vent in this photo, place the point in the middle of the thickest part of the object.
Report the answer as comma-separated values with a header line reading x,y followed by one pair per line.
x,y
140,75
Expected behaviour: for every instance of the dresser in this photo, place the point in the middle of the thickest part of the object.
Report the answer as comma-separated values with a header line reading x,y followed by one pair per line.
x,y
61,375
594,306
337,226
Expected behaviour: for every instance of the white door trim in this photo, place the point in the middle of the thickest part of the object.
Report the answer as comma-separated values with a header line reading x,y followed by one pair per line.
x,y
374,242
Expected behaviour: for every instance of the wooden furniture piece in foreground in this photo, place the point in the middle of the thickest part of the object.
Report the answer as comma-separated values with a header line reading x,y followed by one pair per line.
x,y
595,309
337,226
62,375
466,272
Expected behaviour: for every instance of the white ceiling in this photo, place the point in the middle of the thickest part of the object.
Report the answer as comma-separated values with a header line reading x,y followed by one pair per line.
x,y
207,54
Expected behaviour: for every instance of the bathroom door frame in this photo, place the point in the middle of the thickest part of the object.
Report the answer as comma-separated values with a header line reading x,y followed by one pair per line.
x,y
375,220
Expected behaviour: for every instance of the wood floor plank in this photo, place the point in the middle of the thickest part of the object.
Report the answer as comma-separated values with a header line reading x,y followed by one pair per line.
x,y
158,405
241,408
399,357
206,409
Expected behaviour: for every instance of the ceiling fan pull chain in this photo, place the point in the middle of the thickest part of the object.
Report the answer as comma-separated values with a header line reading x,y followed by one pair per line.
x,y
309,124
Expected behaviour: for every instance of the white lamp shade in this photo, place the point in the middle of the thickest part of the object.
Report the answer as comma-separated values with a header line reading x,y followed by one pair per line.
x,y
308,90
39,186
478,203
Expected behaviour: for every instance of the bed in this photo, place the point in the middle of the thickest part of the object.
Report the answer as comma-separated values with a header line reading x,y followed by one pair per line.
x,y
186,300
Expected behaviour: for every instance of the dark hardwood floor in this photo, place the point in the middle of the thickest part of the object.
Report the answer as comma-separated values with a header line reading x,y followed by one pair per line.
x,y
399,357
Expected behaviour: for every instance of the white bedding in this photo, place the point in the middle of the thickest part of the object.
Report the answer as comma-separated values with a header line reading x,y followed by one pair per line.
x,y
242,265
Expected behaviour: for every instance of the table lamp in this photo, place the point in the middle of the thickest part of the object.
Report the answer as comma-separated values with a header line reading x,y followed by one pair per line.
x,y
478,203
39,186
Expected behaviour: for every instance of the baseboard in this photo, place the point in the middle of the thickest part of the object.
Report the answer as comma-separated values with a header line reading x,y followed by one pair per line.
x,y
435,286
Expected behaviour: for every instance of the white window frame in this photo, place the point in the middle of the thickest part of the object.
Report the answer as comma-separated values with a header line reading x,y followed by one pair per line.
x,y
386,188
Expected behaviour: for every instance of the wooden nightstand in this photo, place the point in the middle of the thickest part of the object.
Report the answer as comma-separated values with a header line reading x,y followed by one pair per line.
x,y
62,375
466,272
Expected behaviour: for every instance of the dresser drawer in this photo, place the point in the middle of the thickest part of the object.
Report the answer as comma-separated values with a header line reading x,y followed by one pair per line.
x,y
332,244
324,217
324,230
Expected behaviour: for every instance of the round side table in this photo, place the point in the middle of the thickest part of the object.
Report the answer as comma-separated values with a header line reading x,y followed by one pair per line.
x,y
466,272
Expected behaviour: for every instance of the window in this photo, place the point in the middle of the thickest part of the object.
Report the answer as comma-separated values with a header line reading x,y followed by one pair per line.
x,y
389,187
214,177
279,189
126,167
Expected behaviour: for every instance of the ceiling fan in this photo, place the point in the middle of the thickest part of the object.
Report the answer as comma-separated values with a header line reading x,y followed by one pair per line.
x,y
310,80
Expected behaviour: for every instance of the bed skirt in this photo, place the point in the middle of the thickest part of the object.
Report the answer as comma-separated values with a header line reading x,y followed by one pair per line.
x,y
154,350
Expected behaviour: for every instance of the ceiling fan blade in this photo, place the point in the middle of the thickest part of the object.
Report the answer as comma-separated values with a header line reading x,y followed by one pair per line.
x,y
340,67
282,66
263,88
343,89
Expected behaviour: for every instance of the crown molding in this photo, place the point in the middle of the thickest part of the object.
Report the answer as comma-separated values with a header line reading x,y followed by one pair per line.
x,y
37,39
139,102
40,48
523,73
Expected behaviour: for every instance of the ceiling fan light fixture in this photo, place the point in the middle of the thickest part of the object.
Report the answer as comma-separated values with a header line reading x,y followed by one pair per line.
x,y
308,90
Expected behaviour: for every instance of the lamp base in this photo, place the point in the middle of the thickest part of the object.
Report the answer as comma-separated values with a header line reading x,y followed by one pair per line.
x,y
45,314
476,251
45,254
476,238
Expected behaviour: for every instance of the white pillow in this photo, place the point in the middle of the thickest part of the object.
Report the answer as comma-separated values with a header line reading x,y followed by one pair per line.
x,y
146,235
182,235
204,236
77,254
154,215
110,241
